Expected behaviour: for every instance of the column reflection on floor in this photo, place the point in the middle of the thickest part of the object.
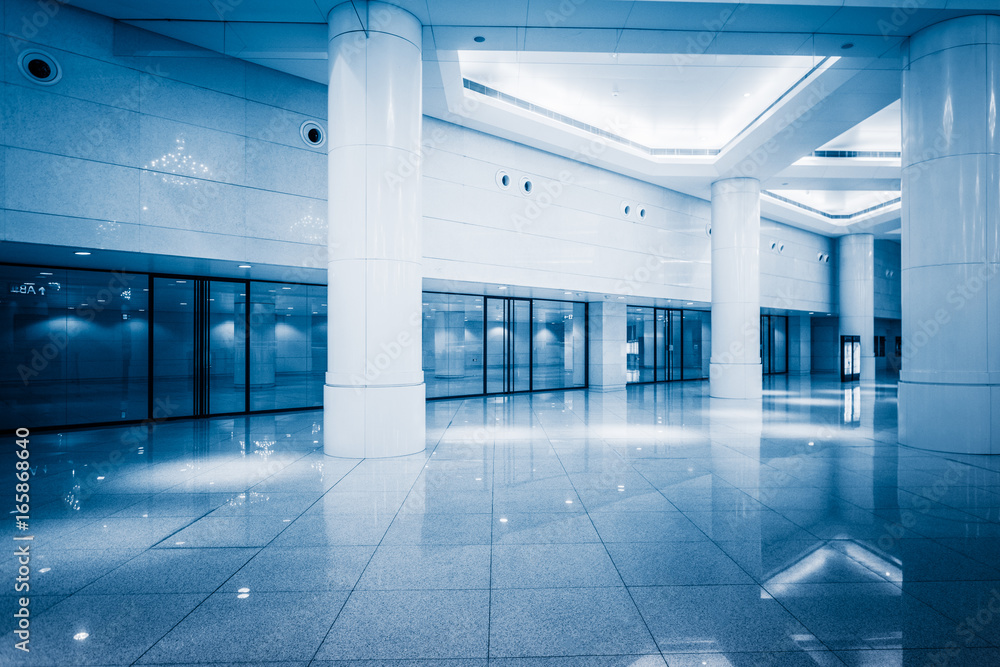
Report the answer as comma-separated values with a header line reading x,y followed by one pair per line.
x,y
649,525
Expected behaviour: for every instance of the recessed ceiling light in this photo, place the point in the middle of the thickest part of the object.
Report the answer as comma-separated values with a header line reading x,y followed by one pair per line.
x,y
45,273
847,45
478,39
81,253
746,94
245,266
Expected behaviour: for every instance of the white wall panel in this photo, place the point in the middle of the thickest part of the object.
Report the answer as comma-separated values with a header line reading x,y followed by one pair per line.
x,y
260,194
39,120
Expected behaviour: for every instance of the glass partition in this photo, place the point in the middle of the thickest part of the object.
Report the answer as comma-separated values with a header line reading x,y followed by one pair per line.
x,y
226,347
559,344
174,347
287,345
675,346
774,344
696,324
641,337
74,344
667,344
453,344
88,346
475,344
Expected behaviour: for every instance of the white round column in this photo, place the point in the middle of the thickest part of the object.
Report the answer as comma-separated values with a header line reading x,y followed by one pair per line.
x,y
856,295
374,394
949,389
735,370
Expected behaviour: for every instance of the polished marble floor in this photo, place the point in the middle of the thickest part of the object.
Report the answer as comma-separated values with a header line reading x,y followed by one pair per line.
x,y
648,527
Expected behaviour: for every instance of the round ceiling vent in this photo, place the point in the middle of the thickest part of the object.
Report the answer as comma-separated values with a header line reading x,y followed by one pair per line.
x,y
312,133
39,67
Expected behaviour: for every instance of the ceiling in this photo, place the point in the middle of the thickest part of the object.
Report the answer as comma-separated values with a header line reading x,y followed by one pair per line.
x,y
802,94
657,100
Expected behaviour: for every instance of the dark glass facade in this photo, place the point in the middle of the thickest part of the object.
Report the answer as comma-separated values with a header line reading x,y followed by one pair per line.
x,y
86,347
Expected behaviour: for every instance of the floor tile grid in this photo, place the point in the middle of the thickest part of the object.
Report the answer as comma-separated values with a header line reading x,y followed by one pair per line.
x,y
139,498
219,588
777,599
426,454
601,539
627,588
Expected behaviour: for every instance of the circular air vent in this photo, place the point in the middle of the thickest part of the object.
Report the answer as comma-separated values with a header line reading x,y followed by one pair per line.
x,y
312,133
39,67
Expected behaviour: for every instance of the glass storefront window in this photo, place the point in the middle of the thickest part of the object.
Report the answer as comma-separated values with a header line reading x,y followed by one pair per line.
x,y
559,344
287,345
78,346
641,345
227,347
453,344
695,326
681,344
73,348
476,344
174,346
774,344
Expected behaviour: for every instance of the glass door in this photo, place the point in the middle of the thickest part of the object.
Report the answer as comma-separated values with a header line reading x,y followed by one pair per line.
x,y
227,358
662,345
765,344
173,347
508,345
850,358
675,345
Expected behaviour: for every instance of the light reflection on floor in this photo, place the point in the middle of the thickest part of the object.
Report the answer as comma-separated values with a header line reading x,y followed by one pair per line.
x,y
623,528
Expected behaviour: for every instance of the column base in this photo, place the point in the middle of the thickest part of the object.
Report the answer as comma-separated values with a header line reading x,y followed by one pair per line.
x,y
373,422
956,418
735,381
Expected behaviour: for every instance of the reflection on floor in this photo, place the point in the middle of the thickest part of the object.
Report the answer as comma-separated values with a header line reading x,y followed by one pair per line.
x,y
634,528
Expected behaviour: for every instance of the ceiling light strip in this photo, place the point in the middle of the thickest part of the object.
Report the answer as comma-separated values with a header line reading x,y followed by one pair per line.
x,y
818,69
848,154
831,216
580,125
